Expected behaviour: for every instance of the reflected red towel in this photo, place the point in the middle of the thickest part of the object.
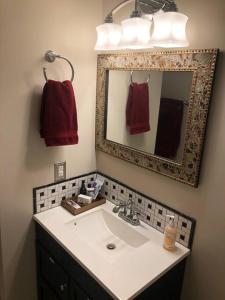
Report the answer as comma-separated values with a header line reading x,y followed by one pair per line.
x,y
58,114
137,111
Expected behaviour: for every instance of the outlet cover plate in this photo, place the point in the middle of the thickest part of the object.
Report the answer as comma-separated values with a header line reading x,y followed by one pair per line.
x,y
60,171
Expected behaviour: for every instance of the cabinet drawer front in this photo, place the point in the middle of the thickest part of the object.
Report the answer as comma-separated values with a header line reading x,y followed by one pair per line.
x,y
53,273
45,293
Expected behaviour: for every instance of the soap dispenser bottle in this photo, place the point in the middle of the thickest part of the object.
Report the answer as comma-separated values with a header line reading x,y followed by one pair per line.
x,y
170,235
83,189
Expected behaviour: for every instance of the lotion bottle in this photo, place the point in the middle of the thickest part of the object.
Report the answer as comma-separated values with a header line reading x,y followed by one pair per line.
x,y
170,235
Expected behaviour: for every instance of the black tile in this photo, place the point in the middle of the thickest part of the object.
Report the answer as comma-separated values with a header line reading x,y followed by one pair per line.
x,y
64,198
106,183
130,195
113,197
53,190
42,205
92,178
73,195
53,201
114,187
159,224
42,194
182,237
184,224
149,206
106,193
139,200
148,218
74,184
63,187
160,212
121,191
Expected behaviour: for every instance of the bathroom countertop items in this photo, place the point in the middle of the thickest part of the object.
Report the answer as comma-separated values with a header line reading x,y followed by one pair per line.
x,y
58,114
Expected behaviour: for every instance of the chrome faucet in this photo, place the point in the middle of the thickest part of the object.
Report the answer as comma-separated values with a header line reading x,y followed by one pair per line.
x,y
127,212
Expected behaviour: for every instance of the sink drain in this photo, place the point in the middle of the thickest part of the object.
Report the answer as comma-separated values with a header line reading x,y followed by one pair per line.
x,y
111,246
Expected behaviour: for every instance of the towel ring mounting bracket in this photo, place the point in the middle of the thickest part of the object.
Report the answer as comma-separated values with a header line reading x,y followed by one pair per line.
x,y
50,56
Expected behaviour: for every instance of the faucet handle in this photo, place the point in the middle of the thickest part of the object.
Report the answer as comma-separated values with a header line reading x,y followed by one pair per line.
x,y
121,203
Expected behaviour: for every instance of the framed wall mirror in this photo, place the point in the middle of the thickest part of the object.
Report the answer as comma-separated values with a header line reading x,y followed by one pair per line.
x,y
152,109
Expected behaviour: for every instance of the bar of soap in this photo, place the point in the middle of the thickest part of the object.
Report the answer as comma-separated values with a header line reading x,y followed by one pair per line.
x,y
84,199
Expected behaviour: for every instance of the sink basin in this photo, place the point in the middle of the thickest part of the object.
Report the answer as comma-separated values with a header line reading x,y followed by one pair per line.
x,y
106,233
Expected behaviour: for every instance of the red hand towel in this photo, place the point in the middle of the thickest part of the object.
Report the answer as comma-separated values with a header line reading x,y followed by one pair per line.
x,y
58,114
137,110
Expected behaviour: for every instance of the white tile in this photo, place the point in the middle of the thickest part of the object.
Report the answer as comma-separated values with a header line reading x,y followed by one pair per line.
x,y
114,198
149,206
122,191
140,201
42,193
52,190
61,197
189,224
40,201
38,209
72,184
62,187
115,187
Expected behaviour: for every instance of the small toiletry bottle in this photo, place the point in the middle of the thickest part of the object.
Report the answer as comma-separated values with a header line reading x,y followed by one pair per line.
x,y
90,190
170,235
83,189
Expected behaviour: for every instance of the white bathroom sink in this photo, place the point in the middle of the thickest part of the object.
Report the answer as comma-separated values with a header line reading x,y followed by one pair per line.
x,y
138,253
103,231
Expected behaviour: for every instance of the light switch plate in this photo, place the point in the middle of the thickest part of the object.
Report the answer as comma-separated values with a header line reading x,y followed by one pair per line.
x,y
60,171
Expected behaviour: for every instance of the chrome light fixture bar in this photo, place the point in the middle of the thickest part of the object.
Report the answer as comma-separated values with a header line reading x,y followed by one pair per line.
x,y
135,32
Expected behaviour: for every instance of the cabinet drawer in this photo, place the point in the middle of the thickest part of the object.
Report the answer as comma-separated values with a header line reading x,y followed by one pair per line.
x,y
53,273
76,292
45,293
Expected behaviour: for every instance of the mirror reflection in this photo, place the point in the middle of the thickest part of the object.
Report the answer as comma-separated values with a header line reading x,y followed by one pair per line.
x,y
147,110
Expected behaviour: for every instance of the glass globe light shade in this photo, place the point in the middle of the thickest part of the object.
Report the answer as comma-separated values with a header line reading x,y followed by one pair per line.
x,y
108,36
169,30
135,33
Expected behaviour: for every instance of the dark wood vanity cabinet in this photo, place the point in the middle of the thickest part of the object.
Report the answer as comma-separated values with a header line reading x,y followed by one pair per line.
x,y
60,277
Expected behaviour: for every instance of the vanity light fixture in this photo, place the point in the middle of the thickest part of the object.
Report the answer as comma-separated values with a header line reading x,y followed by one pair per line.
x,y
169,27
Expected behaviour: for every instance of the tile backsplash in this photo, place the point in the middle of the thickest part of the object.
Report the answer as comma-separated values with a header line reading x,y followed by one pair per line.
x,y
151,211
51,195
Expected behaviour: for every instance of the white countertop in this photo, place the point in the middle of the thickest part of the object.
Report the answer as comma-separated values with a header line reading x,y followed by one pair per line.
x,y
126,276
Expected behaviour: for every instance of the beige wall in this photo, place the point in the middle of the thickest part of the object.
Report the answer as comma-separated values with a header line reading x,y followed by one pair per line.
x,y
204,279
28,28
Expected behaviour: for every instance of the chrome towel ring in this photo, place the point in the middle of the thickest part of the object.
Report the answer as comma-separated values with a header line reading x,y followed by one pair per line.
x,y
50,57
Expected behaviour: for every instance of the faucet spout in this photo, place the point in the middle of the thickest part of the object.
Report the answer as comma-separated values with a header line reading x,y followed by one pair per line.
x,y
129,213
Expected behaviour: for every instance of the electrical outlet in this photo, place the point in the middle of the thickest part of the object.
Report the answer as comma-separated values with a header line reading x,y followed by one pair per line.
x,y
60,171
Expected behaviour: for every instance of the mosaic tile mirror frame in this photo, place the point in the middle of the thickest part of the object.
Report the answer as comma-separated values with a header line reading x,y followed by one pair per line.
x,y
202,64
